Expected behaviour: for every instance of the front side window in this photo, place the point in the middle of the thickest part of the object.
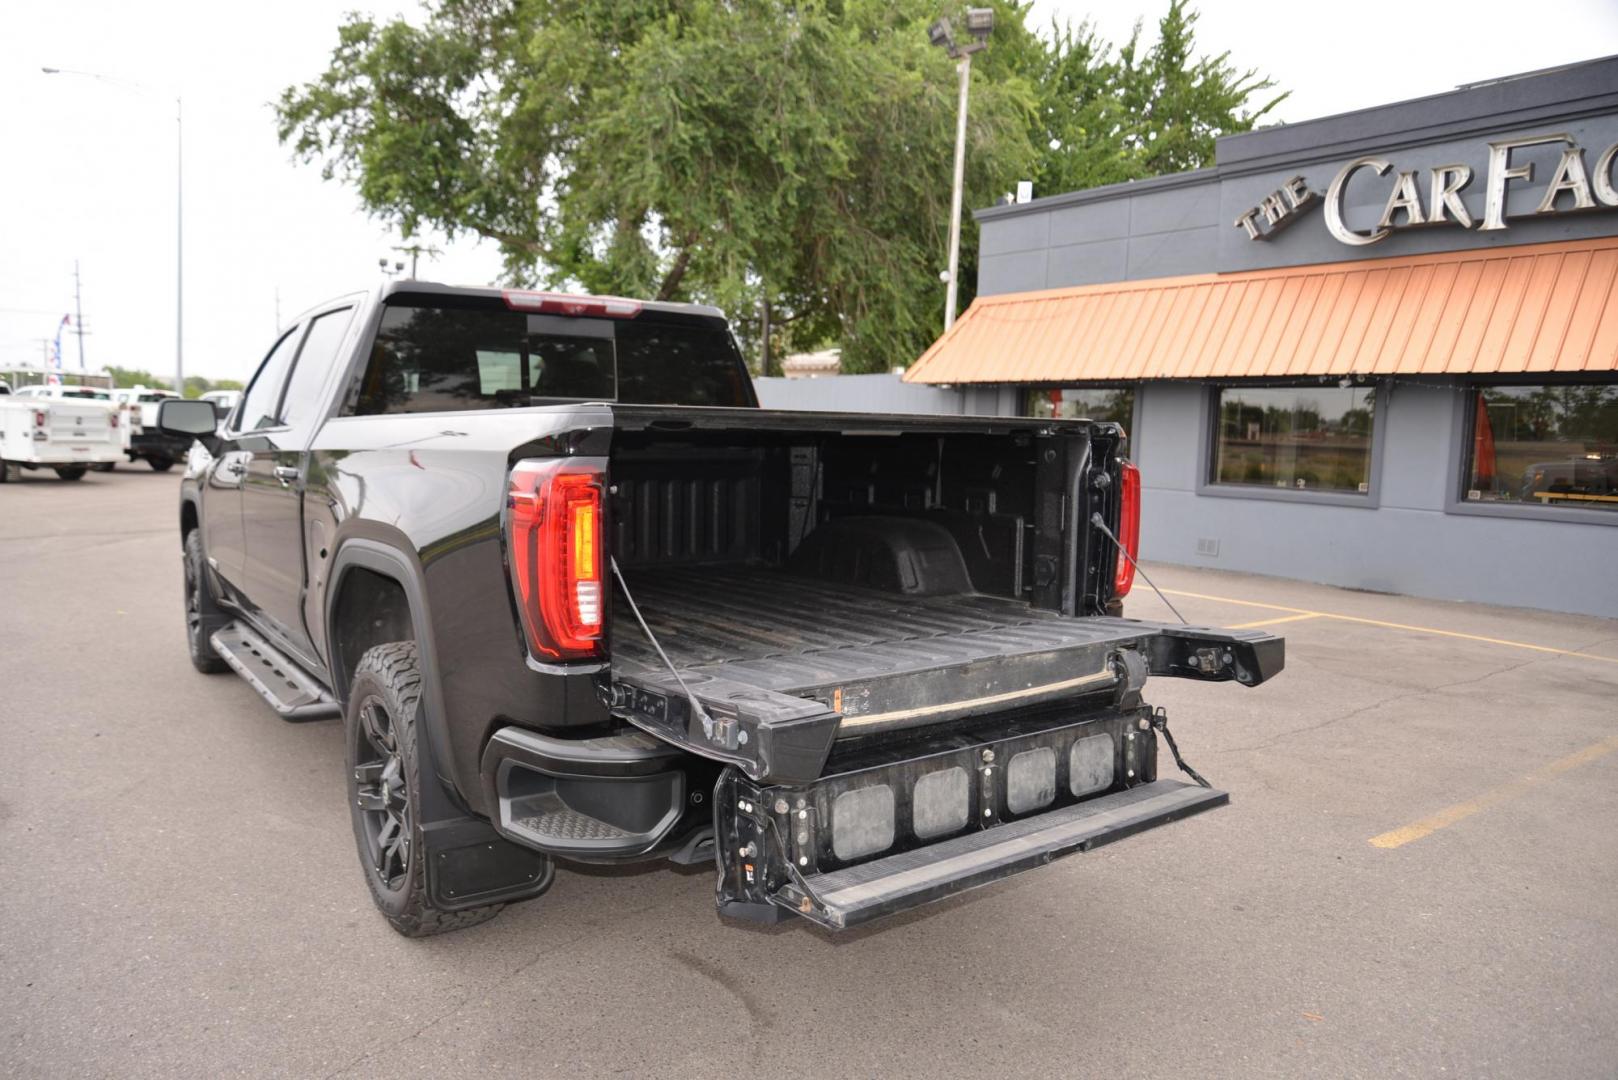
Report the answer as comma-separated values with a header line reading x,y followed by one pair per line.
x,y
1549,445
1114,404
264,395
1302,438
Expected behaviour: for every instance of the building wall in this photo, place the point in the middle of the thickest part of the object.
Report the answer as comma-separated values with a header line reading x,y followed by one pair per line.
x,y
1409,542
1186,223
1411,535
862,393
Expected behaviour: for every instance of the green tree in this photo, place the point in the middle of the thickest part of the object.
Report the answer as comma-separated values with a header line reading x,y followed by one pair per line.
x,y
1112,116
724,150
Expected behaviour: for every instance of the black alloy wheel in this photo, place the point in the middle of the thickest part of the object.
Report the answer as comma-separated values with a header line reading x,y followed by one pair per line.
x,y
202,614
382,794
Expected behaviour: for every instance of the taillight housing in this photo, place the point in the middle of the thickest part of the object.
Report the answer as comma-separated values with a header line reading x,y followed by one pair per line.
x,y
112,420
39,418
556,556
1128,528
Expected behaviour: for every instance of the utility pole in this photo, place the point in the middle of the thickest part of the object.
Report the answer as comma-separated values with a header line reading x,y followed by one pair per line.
x,y
415,251
78,314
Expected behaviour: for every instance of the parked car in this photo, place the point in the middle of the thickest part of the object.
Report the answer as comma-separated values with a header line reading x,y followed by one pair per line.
x,y
224,400
146,441
69,429
577,597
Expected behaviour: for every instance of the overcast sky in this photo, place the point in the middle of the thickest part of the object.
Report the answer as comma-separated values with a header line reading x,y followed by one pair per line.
x,y
89,166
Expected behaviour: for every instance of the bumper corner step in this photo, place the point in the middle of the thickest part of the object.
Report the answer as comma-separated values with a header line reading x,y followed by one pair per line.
x,y
288,689
857,894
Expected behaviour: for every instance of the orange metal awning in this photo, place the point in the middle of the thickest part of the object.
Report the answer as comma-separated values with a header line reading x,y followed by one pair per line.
x,y
1540,307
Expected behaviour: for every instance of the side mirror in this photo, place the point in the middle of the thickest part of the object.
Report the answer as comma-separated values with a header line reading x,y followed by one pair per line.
x,y
179,416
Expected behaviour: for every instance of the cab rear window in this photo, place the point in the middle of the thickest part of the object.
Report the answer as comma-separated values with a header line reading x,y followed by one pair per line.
x,y
457,356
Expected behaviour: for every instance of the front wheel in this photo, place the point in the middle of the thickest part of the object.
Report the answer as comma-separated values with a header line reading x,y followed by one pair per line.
x,y
71,472
202,614
384,792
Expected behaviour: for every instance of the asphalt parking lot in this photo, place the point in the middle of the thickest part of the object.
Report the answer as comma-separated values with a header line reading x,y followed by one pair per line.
x,y
1418,874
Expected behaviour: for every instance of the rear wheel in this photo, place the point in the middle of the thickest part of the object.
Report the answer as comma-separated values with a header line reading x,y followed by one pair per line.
x,y
384,786
71,472
202,614
105,466
160,464
5,471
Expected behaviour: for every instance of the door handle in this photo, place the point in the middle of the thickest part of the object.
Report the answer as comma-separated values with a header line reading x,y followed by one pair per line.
x,y
287,474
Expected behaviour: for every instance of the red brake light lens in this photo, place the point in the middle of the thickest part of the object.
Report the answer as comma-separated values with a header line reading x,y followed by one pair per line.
x,y
554,538
605,307
39,418
1128,529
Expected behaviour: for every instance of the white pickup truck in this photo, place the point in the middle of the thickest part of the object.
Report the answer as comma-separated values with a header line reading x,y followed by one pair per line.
x,y
66,428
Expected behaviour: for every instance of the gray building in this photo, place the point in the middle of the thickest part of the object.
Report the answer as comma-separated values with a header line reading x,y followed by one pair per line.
x,y
1377,350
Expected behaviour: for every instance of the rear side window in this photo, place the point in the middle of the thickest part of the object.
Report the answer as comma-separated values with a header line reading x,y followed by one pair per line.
x,y
315,361
482,356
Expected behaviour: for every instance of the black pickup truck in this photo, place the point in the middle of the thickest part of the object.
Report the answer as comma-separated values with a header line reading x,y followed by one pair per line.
x,y
577,597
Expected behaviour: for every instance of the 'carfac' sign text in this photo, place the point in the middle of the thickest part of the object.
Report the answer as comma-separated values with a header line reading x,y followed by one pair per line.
x,y
1425,197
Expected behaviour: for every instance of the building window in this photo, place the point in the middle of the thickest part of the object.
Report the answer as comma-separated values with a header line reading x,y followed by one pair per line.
x,y
1304,438
1115,404
1545,445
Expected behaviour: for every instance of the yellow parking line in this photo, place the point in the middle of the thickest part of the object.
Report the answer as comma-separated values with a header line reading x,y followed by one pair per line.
x,y
1399,626
1272,622
1461,811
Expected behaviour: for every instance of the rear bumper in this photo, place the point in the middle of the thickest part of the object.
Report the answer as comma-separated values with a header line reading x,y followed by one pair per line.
x,y
888,830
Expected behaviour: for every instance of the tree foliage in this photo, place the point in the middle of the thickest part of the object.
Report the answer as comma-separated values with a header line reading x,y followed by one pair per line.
x,y
733,150
195,385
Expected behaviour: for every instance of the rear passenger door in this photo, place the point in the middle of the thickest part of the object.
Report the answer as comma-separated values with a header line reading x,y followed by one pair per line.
x,y
272,491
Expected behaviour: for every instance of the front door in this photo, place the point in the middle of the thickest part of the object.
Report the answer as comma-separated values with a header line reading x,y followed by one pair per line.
x,y
223,540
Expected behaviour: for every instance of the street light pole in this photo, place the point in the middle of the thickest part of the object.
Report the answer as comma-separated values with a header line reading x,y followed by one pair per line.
x,y
179,212
179,246
979,24
964,70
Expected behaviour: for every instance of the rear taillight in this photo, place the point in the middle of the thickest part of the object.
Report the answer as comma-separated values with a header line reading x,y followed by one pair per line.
x,y
607,307
112,420
39,418
554,539
1128,529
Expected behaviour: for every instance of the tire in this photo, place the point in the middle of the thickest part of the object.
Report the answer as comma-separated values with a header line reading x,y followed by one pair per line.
x,y
160,464
71,472
5,471
202,613
106,466
384,786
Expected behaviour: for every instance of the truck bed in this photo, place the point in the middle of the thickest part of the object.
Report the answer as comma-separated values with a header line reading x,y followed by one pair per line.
x,y
859,650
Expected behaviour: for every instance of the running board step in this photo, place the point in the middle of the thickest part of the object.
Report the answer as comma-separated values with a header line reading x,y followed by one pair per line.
x,y
857,894
290,691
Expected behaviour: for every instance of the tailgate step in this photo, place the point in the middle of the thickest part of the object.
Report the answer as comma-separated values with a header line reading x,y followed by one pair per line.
x,y
290,691
870,890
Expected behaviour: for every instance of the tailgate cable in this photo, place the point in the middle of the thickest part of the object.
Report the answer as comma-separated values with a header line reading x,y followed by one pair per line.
x,y
1096,520
696,706
1160,722
1160,719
